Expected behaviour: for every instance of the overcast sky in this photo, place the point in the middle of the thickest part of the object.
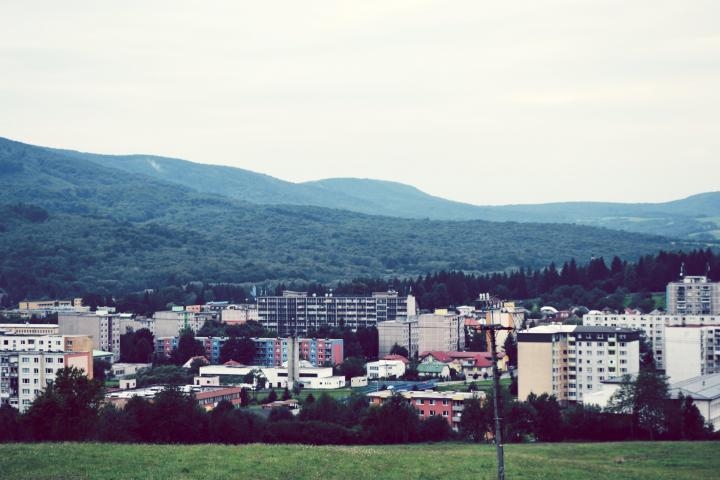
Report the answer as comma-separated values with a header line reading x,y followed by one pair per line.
x,y
481,102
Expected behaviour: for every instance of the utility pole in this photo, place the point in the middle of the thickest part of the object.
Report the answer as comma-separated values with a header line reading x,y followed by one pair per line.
x,y
493,304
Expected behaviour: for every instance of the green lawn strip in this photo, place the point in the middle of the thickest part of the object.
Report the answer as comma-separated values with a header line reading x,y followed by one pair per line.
x,y
612,461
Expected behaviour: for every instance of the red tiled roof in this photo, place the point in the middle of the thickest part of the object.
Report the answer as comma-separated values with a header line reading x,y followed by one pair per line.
x,y
396,357
437,355
482,359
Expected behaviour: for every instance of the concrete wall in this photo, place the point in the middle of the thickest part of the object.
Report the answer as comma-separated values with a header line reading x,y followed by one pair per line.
x,y
534,368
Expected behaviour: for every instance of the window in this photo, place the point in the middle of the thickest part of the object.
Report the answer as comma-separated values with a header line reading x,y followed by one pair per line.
x,y
445,402
431,401
420,401
445,413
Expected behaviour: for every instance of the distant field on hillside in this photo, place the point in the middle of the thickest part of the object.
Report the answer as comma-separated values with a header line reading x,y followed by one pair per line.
x,y
661,460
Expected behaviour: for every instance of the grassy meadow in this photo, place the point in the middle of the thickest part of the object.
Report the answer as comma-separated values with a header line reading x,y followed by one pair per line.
x,y
636,460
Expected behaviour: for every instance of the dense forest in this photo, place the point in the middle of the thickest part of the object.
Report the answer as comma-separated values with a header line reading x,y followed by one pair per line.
x,y
598,284
70,227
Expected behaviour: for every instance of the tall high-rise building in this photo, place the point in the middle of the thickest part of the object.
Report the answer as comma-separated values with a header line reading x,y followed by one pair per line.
x,y
693,295
300,313
570,361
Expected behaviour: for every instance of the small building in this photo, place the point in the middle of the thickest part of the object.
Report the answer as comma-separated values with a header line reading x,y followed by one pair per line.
x,y
434,370
385,369
705,392
123,369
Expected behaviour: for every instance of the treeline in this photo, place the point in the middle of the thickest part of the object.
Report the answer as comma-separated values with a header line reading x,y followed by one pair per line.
x,y
597,284
600,283
72,409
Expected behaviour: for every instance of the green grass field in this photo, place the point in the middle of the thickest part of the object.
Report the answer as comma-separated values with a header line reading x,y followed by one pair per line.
x,y
615,461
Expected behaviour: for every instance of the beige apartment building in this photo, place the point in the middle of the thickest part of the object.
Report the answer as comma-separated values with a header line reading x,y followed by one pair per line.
x,y
571,361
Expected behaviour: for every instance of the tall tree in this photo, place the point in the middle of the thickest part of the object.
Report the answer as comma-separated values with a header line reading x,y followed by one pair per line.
x,y
187,348
238,349
67,408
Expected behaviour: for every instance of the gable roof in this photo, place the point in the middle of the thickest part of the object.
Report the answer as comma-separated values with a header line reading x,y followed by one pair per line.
x,y
396,357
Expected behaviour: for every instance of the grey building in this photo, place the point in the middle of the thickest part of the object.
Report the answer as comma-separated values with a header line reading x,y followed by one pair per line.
x,y
102,327
300,313
693,295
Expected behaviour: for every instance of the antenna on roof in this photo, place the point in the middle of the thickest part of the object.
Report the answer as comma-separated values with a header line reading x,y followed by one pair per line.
x,y
682,269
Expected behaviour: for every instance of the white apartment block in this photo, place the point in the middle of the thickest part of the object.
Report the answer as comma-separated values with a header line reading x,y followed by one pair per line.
x,y
692,351
385,369
693,295
652,324
571,361
23,375
45,343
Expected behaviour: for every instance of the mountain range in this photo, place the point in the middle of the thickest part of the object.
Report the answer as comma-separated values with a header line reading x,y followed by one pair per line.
x,y
696,217
73,222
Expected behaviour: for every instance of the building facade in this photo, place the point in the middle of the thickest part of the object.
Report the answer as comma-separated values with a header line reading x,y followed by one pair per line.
x,y
385,369
29,328
693,295
25,374
102,327
441,331
169,323
692,351
402,332
570,361
300,313
429,403
46,343
269,352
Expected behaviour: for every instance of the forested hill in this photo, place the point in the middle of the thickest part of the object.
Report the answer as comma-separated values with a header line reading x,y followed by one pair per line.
x,y
696,217
69,225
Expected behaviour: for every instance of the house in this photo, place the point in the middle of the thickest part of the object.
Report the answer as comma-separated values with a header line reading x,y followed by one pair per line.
x,y
470,364
433,369
396,357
